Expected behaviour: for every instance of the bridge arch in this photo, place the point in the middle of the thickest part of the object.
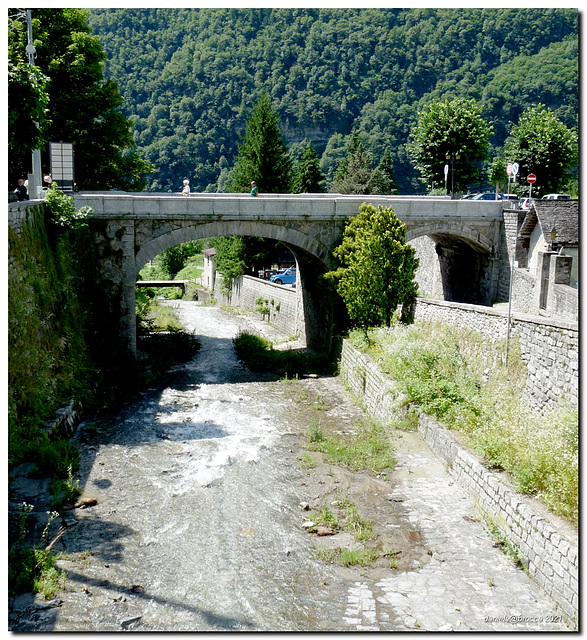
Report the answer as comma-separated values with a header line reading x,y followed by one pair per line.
x,y
131,229
457,265
288,235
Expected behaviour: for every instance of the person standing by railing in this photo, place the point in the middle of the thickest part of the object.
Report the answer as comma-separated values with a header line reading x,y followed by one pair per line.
x,y
21,191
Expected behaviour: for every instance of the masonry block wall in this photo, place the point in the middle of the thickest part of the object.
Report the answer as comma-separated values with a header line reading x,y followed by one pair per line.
x,y
280,300
550,348
23,213
549,552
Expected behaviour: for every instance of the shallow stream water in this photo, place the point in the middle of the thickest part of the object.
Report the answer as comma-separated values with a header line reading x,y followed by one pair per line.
x,y
198,524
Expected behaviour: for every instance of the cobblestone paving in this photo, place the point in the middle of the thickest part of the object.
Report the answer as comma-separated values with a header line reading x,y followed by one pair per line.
x,y
468,584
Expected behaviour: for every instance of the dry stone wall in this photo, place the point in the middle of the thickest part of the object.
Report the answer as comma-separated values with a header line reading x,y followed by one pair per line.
x,y
550,348
548,551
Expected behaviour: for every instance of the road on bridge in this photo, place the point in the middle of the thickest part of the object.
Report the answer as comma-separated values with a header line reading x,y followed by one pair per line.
x,y
199,518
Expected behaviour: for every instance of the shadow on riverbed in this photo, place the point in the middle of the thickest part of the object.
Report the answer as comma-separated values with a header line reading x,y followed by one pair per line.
x,y
210,618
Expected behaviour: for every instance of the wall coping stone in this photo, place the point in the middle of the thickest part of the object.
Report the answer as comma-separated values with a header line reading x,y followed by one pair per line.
x,y
492,311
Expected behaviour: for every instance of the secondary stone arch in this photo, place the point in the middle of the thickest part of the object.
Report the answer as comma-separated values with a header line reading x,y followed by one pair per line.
x,y
455,265
453,233
288,235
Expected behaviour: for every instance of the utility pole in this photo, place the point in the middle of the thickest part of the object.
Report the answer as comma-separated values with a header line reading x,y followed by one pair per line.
x,y
35,188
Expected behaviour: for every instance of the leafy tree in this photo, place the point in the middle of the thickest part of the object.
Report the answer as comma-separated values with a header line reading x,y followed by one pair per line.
x,y
543,145
377,266
229,258
174,259
452,132
308,178
27,104
83,108
498,172
355,171
262,154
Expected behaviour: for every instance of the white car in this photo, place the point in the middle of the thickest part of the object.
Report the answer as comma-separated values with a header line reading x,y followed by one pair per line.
x,y
557,196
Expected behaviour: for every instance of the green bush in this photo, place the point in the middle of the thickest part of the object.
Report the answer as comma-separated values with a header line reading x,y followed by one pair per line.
x,y
260,356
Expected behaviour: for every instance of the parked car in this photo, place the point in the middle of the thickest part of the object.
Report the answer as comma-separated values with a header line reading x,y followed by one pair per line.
x,y
557,196
265,274
489,196
287,277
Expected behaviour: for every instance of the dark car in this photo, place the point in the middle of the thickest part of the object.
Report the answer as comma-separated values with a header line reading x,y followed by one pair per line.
x,y
489,196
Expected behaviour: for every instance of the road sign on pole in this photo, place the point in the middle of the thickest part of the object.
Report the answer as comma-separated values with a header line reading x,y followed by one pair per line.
x,y
515,169
531,180
509,169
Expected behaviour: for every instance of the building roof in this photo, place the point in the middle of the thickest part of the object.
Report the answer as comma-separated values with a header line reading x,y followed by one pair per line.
x,y
563,215
209,252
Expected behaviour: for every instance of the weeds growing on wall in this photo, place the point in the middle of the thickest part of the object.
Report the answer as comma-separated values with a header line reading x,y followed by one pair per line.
x,y
49,360
459,377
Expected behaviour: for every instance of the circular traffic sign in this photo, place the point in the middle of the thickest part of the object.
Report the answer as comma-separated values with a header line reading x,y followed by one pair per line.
x,y
531,178
509,169
515,168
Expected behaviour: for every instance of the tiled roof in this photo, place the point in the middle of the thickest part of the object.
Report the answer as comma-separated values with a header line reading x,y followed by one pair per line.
x,y
209,252
563,215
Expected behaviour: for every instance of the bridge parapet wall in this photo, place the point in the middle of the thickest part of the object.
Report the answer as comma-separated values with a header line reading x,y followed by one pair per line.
x,y
314,206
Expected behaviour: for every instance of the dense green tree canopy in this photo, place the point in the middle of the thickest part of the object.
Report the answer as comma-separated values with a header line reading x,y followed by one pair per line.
x,y
82,107
190,77
27,104
451,133
541,144
377,266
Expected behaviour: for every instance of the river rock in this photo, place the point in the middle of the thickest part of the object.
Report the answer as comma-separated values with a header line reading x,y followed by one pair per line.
x,y
324,531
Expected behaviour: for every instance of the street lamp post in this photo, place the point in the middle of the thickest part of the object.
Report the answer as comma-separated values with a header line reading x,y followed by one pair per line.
x,y
35,187
552,238
452,157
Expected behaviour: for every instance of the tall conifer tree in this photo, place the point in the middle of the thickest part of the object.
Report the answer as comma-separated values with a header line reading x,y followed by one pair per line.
x,y
262,154
309,177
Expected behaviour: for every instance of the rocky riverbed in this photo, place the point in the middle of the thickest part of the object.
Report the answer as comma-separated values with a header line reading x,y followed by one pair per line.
x,y
199,501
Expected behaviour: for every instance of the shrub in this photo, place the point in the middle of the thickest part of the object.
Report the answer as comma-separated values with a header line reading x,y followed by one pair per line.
x,y
260,356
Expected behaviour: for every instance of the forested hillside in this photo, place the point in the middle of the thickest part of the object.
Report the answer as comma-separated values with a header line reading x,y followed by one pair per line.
x,y
189,77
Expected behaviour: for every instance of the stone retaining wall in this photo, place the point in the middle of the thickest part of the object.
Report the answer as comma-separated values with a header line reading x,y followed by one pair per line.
x,y
280,300
550,348
20,213
550,556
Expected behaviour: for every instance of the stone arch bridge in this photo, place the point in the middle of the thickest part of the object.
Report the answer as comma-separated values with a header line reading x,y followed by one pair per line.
x,y
131,229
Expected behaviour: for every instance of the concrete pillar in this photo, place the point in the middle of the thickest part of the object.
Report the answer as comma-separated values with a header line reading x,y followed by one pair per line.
x,y
542,273
559,272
